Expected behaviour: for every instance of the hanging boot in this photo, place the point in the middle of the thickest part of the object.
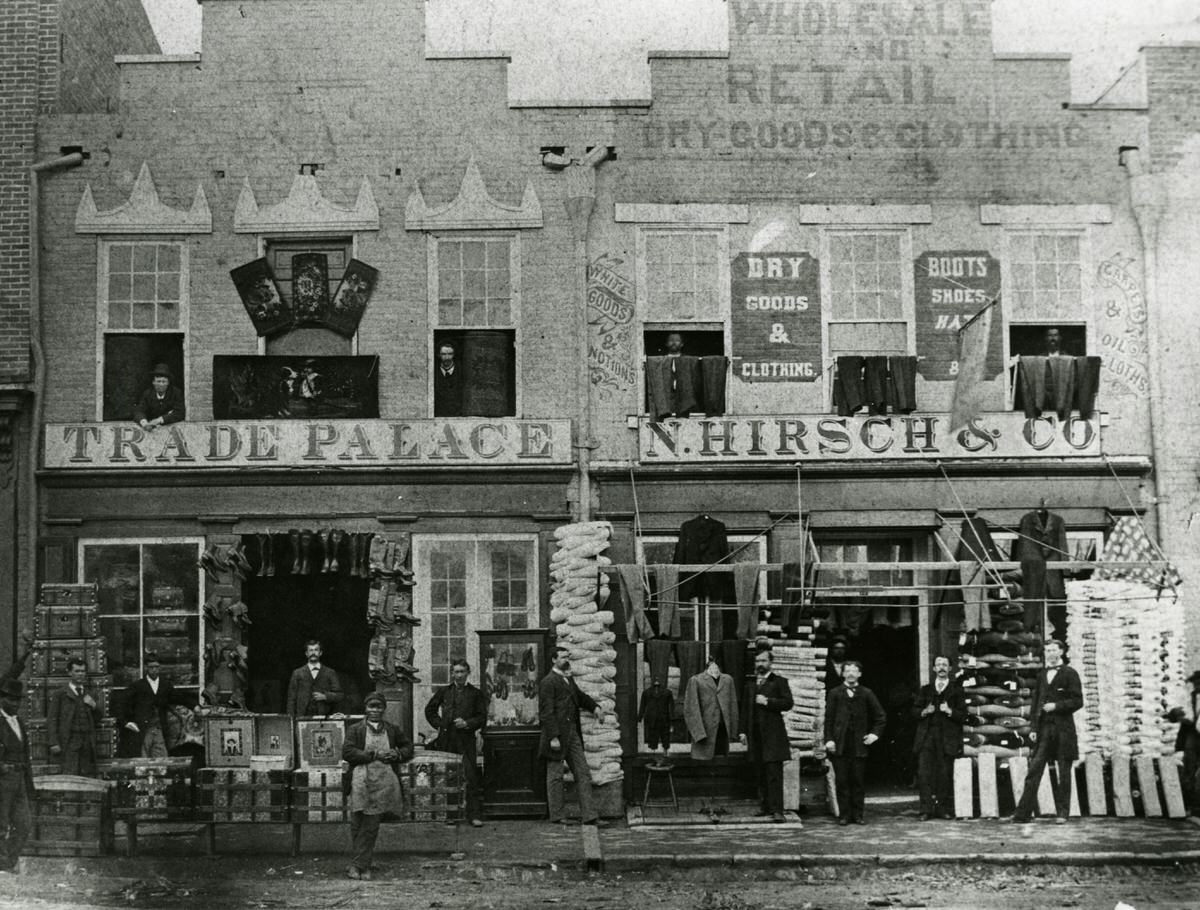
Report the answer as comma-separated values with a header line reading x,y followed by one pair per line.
x,y
366,541
322,538
377,552
335,546
294,550
266,555
306,560
400,554
354,544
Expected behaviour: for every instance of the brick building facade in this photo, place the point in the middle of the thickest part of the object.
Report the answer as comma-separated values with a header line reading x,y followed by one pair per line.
x,y
835,185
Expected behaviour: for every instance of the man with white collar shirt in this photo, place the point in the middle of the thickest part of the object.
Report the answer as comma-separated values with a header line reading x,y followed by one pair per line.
x,y
16,776
145,713
766,702
941,710
314,689
71,723
854,721
559,703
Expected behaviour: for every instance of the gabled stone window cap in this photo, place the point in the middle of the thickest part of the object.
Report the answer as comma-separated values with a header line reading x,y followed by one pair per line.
x,y
472,209
143,212
305,210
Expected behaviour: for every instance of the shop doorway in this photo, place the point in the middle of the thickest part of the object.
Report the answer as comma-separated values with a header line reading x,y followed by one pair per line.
x,y
285,612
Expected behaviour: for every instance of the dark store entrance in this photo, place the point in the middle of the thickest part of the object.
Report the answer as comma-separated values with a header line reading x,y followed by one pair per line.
x,y
285,612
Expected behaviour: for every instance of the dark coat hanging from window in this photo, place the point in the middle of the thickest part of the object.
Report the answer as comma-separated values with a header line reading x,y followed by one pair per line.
x,y
703,540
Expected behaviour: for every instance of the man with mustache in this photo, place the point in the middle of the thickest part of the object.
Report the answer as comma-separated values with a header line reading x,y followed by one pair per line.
x,y
854,721
766,702
559,703
941,711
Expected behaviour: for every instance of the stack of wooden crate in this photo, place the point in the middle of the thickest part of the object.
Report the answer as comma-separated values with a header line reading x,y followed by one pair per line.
x,y
66,627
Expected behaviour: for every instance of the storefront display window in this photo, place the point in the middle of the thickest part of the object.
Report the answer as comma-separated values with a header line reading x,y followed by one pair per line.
x,y
150,593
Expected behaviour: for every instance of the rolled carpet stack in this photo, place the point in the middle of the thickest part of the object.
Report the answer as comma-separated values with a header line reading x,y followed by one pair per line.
x,y
998,671
804,667
577,584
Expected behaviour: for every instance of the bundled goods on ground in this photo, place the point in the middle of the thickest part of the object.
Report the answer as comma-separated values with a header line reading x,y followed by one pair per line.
x,y
803,667
577,587
998,675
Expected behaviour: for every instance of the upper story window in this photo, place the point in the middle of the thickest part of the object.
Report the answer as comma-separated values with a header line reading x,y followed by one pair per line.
x,y
315,267
681,275
474,356
142,321
1046,270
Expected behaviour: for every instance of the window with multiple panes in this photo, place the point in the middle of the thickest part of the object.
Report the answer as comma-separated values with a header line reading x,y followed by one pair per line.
x,y
682,275
476,294
142,319
1046,271
150,593
868,313
465,585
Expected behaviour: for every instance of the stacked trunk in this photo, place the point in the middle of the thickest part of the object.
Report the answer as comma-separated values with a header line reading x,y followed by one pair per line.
x,y
577,583
804,667
1126,640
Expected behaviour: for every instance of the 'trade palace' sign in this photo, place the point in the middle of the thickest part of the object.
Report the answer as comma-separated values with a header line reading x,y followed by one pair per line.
x,y
265,444
822,437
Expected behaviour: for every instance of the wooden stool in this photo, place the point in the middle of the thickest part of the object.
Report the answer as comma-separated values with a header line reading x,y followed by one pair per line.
x,y
663,803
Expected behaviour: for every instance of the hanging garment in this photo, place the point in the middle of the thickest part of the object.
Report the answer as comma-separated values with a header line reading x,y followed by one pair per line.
x,y
713,370
745,581
733,662
658,655
976,612
1087,384
903,390
1042,538
658,389
875,377
708,705
691,656
703,541
795,575
1060,385
633,596
1031,384
849,394
667,578
654,711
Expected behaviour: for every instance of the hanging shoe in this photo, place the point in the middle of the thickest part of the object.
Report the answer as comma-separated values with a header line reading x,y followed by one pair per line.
x,y
321,537
364,553
376,552
306,558
266,555
335,545
294,550
356,542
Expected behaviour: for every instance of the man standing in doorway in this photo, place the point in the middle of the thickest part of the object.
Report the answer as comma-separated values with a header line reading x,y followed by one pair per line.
x,y
941,711
16,776
146,704
854,721
559,703
447,383
456,711
766,703
1058,696
834,662
72,721
314,690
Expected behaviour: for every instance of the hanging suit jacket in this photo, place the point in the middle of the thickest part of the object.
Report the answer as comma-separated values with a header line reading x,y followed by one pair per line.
x,y
703,540
706,703
938,725
559,702
301,687
764,728
1041,540
848,720
1066,694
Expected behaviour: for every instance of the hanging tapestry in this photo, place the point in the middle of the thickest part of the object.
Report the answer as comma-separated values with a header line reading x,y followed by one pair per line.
x,y
248,387
310,287
350,299
260,296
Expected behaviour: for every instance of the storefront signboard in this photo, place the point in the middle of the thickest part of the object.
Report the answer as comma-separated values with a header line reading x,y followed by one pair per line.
x,y
775,317
950,287
824,437
307,444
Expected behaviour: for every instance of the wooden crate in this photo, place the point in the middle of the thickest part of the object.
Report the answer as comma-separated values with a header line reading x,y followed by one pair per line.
x,y
60,595
50,657
147,789
72,816
317,797
241,795
54,622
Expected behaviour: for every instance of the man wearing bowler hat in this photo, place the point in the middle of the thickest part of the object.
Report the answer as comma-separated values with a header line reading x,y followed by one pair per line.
x,y
162,403
16,777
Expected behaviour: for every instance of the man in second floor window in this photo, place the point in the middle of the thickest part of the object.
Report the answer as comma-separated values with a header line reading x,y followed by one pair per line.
x,y
162,403
447,383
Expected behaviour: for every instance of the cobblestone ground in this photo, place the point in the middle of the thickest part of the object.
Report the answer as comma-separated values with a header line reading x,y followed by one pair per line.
x,y
232,882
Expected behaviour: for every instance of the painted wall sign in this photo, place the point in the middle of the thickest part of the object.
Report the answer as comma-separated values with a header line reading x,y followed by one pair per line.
x,y
307,444
822,437
1123,330
775,317
950,287
610,321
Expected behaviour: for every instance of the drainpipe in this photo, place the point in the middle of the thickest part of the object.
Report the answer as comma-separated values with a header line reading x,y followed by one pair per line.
x,y
1148,198
33,455
580,202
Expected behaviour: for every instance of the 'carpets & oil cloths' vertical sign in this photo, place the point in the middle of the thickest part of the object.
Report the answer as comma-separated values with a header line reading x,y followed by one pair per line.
x,y
951,287
775,324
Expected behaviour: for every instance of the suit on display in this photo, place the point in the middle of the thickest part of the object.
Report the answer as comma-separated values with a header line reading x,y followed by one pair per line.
x,y
1054,727
710,710
1042,538
767,737
937,742
703,541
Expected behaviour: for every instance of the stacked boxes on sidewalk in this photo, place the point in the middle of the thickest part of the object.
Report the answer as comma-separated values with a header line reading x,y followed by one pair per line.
x,y
66,627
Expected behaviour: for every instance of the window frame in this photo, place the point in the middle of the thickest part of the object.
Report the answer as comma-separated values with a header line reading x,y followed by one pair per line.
x,y
422,606
201,596
265,240
433,280
104,246
907,291
642,314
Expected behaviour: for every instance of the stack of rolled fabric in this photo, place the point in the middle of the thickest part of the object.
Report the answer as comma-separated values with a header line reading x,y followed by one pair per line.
x,y
998,671
577,583
804,668
1125,639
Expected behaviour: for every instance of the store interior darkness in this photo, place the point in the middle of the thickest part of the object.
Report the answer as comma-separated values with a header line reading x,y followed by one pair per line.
x,y
285,612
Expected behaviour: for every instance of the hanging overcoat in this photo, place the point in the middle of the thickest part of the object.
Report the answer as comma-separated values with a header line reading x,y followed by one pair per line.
x,y
706,703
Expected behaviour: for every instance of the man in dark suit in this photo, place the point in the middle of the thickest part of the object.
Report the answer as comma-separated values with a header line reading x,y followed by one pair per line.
x,y
447,383
941,711
16,776
145,710
71,723
456,711
559,703
314,690
162,403
1058,696
854,720
764,707
1187,741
